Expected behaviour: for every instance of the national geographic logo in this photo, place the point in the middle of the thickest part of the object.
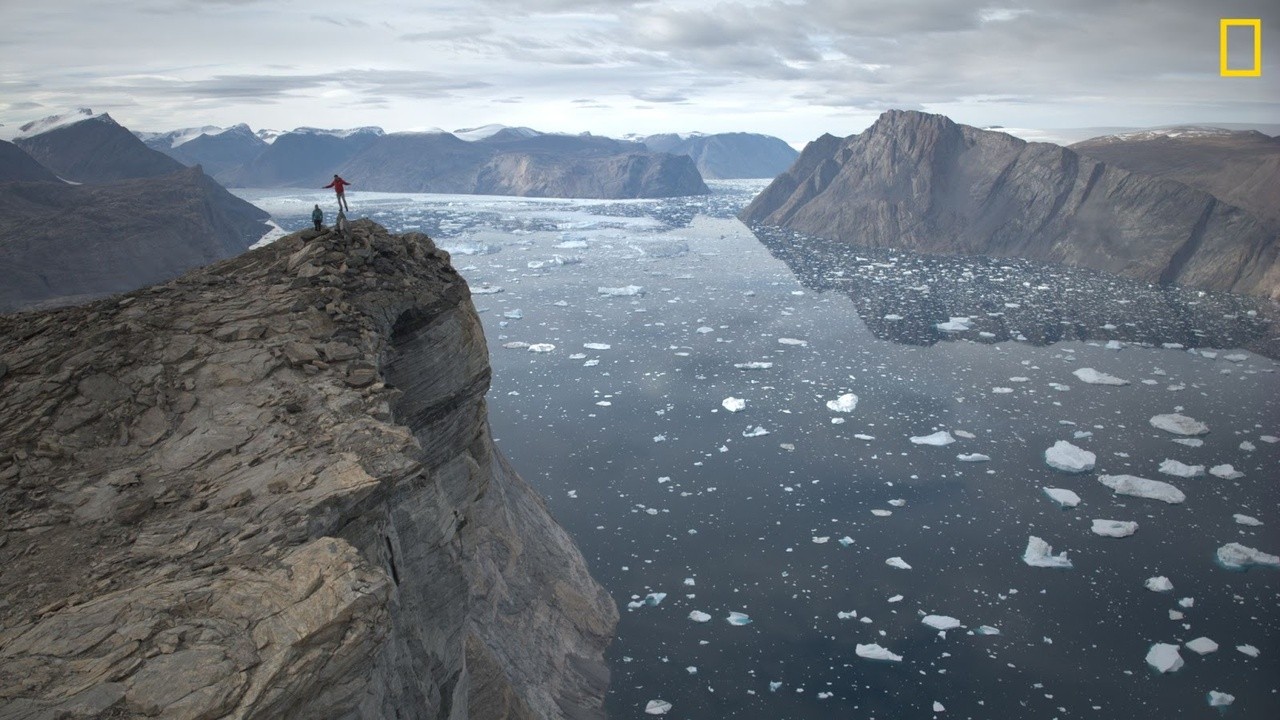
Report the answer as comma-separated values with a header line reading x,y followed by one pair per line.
x,y
1223,68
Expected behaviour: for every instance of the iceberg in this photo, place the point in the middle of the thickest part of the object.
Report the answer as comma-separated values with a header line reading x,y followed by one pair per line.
x,y
1235,556
625,291
938,439
1143,488
987,630
1164,658
753,365
1249,650
875,652
657,707
653,599
757,431
1040,554
1202,646
956,324
541,348
516,314
1226,472
737,618
1093,377
1114,528
1247,520
793,341
1065,498
845,541
940,622
1068,458
1179,424
897,562
1159,583
515,345
597,346
1220,699
486,290
1177,469
938,707
699,616
733,404
973,457
843,404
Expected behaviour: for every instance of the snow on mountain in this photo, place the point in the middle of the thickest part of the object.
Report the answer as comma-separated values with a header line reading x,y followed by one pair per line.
x,y
485,131
54,122
174,138
1184,131
340,132
269,136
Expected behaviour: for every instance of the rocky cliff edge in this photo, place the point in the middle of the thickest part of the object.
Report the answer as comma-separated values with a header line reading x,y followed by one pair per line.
x,y
267,489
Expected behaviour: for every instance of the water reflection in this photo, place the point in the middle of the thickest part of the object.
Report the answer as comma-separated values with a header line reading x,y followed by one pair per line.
x,y
923,299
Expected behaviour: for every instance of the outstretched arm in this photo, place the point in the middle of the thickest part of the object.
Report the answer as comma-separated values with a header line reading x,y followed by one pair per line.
x,y
329,185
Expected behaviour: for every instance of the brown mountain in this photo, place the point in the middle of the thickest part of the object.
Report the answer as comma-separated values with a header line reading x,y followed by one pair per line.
x,y
1240,167
922,182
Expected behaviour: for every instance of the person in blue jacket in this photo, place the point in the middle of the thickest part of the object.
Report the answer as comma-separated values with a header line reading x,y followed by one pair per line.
x,y
317,217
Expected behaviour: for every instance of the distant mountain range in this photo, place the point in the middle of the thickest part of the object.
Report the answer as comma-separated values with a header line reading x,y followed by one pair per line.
x,y
493,159
922,182
87,209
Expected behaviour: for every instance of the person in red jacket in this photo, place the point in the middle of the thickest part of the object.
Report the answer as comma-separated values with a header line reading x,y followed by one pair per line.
x,y
338,186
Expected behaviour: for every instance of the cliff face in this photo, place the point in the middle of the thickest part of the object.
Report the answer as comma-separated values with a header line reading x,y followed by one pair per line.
x,y
18,166
921,182
62,243
728,155
235,495
304,158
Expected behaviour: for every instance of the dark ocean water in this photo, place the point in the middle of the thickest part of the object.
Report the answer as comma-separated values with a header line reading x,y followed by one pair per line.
x,y
667,491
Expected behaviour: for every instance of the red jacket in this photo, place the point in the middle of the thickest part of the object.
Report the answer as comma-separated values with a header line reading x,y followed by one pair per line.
x,y
338,184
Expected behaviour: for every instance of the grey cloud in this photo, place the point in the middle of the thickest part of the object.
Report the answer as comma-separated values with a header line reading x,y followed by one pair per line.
x,y
345,22
660,96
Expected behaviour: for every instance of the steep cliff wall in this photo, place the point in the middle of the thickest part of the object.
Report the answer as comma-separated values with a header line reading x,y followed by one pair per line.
x,y
267,490
921,182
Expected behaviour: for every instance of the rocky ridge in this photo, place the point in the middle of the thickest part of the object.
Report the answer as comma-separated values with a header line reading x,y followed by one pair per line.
x,y
267,490
921,182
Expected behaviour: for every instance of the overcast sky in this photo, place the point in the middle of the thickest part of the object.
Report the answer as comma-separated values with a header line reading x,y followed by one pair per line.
x,y
791,68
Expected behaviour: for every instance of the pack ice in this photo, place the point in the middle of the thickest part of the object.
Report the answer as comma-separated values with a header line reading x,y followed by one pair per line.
x,y
1040,554
1179,424
1068,458
1143,488
1235,556
1164,658
1093,377
845,403
1114,528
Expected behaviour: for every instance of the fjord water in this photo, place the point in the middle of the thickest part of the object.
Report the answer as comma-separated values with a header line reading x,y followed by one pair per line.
x,y
614,329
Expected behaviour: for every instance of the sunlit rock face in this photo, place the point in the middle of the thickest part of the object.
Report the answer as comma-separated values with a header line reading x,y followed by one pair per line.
x,y
921,182
268,489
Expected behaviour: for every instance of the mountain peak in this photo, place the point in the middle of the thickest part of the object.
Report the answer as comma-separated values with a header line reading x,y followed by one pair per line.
x,y
53,122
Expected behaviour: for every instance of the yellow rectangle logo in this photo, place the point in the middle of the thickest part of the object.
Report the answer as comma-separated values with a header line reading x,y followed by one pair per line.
x,y
1256,70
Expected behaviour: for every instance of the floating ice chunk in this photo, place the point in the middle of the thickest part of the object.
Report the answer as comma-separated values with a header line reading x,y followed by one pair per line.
x,y
987,630
699,616
1177,469
591,363
875,652
1248,446
965,434
1143,488
937,707
737,618
895,598
1068,458
897,562
541,348
1164,658
692,670
1220,699
843,404
940,622
733,404
1235,357
956,324
1249,650
596,346
821,540
513,314
845,541
793,341
1225,471
704,330
1247,520
1235,556
1114,345
938,439
1189,442
1159,583
774,685
757,431
1114,528
837,421
1059,387
1179,424
515,345
578,356
1093,377
892,316
1040,554
573,245
846,615
1063,497
657,707
1175,615
864,436
1187,602
625,291
486,290
659,438
753,365
654,599
897,502
882,513
690,582
1001,390
1270,439
973,457
1202,646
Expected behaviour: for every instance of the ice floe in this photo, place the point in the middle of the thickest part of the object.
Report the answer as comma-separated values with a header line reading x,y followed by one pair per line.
x,y
1235,556
1068,458
1063,497
753,365
1143,488
1040,554
1249,650
541,348
733,404
1093,377
843,404
986,630
699,616
1164,658
1182,470
1220,699
597,346
757,431
737,618
897,562
1246,520
875,652
657,707
624,291
1179,424
973,457
938,439
1114,528
1226,472
940,622
1159,583
793,341
956,324
1202,646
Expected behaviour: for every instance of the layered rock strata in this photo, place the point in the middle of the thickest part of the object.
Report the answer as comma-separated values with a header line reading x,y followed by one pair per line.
x,y
267,489
921,182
